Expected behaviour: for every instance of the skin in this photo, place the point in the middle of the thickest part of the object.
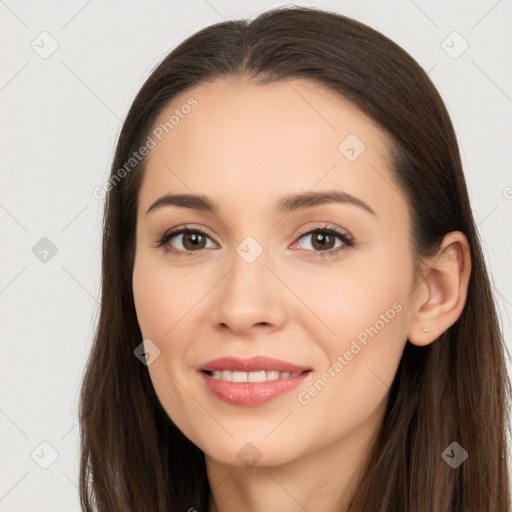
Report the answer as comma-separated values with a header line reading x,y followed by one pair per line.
x,y
245,146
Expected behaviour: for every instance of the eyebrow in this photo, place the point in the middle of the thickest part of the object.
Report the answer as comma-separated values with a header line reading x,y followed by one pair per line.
x,y
288,203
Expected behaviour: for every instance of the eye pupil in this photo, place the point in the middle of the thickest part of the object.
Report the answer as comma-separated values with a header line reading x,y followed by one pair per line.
x,y
194,239
322,239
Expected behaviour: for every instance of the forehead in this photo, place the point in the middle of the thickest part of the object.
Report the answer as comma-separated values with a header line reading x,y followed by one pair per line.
x,y
251,142
297,110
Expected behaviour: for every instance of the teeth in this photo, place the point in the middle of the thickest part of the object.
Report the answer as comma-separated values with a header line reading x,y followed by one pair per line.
x,y
260,376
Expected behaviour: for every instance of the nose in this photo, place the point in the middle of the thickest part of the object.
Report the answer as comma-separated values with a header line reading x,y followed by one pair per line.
x,y
250,296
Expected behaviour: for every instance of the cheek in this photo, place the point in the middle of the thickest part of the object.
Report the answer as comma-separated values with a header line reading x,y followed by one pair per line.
x,y
364,313
352,299
367,314
154,300
161,303
162,296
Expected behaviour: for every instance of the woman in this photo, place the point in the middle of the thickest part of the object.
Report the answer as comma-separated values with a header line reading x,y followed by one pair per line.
x,y
296,313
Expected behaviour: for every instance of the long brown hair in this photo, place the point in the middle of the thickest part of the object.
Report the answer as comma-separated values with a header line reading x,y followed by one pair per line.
x,y
456,389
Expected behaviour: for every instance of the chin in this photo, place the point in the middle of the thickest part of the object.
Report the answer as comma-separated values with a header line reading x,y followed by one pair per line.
x,y
244,452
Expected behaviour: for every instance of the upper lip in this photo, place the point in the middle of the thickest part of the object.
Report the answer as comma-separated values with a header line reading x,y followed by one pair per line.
x,y
252,364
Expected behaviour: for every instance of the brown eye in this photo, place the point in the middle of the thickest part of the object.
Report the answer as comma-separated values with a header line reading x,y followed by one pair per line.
x,y
193,240
322,241
325,241
184,241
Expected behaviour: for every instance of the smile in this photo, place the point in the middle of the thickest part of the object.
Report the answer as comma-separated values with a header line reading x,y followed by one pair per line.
x,y
253,381
258,376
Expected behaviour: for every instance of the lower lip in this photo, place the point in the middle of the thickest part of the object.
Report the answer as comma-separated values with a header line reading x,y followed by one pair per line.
x,y
250,394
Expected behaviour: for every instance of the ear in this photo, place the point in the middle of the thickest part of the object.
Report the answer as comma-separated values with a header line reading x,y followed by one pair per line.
x,y
441,292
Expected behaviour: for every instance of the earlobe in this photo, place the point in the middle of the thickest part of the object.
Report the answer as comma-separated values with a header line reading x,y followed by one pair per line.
x,y
442,291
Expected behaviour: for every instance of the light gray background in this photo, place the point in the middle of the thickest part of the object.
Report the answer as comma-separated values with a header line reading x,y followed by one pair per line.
x,y
61,116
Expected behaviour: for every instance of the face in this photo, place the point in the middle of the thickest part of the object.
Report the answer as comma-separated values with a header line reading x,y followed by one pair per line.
x,y
320,289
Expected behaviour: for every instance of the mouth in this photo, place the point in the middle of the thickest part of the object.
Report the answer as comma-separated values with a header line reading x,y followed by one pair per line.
x,y
256,364
251,382
257,376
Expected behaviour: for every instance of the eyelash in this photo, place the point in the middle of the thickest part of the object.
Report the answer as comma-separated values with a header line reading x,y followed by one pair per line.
x,y
345,239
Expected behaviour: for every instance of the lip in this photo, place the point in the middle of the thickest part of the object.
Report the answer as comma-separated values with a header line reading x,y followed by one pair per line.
x,y
252,364
251,394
